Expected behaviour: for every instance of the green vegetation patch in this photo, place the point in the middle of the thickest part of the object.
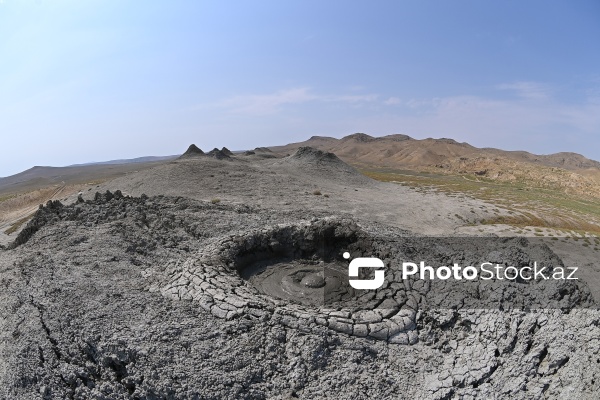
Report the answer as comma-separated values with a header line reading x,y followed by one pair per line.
x,y
528,205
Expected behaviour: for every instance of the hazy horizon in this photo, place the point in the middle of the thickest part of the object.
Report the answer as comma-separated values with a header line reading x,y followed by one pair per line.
x,y
105,80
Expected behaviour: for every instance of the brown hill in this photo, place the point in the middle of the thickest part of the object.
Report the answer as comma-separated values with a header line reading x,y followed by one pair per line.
x,y
570,172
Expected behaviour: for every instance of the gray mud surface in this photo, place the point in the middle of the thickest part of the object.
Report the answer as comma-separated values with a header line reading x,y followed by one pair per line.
x,y
154,297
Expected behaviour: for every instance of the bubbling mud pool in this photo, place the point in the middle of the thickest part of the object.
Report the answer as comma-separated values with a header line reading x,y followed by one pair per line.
x,y
303,282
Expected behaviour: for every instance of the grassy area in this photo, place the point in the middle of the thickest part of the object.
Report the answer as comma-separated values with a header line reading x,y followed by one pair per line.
x,y
528,205
14,227
8,197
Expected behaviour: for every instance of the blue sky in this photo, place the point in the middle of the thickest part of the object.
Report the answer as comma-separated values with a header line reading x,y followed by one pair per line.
x,y
96,80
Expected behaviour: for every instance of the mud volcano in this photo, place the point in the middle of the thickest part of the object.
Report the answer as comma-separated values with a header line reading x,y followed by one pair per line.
x,y
294,273
300,264
297,274
192,151
84,318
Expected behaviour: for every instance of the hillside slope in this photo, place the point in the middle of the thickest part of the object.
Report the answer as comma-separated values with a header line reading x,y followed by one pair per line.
x,y
568,172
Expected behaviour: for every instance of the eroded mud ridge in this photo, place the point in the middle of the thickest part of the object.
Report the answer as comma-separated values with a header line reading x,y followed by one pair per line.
x,y
156,297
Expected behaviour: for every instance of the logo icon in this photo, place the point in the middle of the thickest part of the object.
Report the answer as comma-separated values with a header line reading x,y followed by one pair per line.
x,y
365,262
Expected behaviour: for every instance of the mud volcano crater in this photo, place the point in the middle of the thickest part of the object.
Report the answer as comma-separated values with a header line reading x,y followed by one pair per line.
x,y
295,274
302,264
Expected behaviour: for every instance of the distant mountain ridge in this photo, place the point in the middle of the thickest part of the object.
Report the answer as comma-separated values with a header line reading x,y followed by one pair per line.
x,y
402,150
567,171
128,161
